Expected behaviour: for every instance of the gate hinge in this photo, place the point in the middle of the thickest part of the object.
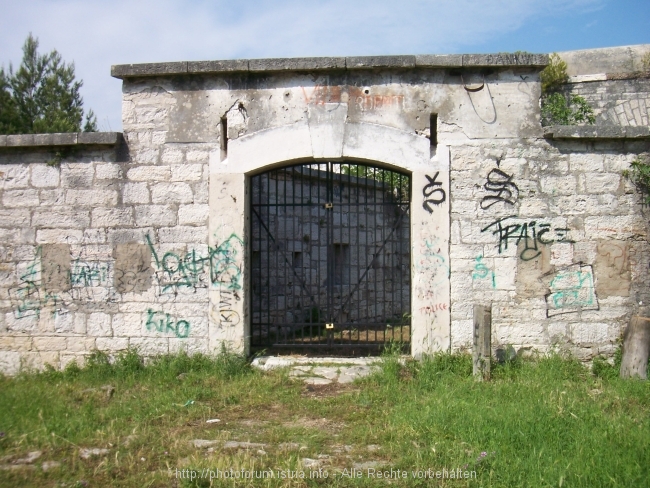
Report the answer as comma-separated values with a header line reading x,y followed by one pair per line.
x,y
329,205
329,326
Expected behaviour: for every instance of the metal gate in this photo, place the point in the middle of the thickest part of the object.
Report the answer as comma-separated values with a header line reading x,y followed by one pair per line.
x,y
330,259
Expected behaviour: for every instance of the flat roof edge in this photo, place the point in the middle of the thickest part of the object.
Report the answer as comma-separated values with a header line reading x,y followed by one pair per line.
x,y
60,139
596,132
504,60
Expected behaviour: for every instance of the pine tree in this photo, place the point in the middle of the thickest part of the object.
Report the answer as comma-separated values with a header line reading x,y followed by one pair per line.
x,y
42,96
9,123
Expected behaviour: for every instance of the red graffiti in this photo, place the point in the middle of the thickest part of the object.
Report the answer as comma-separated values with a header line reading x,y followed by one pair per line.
x,y
362,98
431,309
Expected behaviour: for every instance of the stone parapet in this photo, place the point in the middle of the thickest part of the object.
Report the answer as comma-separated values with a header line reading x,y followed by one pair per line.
x,y
503,60
595,132
61,139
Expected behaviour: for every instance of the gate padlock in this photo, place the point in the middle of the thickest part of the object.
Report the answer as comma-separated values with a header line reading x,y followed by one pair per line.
x,y
329,205
329,326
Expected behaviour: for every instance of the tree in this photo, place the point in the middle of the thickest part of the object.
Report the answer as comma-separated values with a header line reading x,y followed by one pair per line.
x,y
42,96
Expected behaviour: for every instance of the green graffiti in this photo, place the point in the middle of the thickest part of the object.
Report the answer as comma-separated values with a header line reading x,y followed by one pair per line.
x,y
481,271
572,289
164,323
221,267
30,296
86,274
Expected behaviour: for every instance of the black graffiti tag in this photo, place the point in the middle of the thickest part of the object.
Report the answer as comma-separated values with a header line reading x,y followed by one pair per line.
x,y
433,193
500,183
531,233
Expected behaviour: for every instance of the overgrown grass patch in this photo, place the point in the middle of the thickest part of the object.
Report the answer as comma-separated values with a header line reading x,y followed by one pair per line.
x,y
543,422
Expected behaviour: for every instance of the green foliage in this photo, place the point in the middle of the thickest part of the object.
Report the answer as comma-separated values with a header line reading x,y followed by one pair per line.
x,y
42,96
602,368
639,174
9,119
554,75
557,111
458,364
558,108
399,183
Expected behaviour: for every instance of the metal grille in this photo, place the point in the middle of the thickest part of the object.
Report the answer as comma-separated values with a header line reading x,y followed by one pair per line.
x,y
330,259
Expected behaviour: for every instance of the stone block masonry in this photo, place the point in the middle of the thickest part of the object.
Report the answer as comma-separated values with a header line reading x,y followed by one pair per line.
x,y
142,239
91,258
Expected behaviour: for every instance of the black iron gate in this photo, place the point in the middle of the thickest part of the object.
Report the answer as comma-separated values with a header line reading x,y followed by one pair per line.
x,y
330,259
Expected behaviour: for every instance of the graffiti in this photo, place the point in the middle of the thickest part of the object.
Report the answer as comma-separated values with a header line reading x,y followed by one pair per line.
x,y
531,233
224,314
55,279
433,263
86,274
481,271
221,266
90,281
431,309
133,271
571,290
433,188
164,323
225,263
30,296
361,98
176,271
500,184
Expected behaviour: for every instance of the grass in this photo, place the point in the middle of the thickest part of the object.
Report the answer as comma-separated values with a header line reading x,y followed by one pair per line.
x,y
544,422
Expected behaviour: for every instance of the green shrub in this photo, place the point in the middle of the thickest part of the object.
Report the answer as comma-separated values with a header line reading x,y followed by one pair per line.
x,y
557,111
557,108
639,174
554,75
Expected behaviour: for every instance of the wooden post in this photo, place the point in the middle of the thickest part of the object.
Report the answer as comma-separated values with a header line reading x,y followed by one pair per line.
x,y
482,341
636,348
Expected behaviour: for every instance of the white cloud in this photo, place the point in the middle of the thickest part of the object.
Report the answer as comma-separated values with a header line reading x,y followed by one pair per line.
x,y
97,34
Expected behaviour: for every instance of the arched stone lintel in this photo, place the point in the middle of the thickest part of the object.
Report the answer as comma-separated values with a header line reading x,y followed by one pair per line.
x,y
302,141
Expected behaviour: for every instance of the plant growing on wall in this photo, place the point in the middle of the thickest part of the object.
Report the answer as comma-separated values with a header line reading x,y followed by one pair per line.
x,y
556,110
42,95
554,75
557,107
639,174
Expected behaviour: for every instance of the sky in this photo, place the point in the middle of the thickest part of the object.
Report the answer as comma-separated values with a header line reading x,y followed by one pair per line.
x,y
97,34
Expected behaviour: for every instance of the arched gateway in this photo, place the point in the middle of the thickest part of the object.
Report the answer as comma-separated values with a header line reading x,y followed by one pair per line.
x,y
330,259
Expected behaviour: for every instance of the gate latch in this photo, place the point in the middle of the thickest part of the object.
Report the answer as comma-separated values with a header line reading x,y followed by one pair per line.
x,y
329,205
329,326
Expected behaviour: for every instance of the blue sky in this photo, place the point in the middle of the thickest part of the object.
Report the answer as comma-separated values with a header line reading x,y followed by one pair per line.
x,y
97,34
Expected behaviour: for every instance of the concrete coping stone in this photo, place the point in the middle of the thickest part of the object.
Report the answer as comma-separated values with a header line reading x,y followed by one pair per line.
x,y
61,139
331,63
267,363
596,132
633,75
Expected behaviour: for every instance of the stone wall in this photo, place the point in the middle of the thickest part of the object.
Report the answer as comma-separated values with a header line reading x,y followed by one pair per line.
x,y
553,236
619,100
615,81
103,251
145,243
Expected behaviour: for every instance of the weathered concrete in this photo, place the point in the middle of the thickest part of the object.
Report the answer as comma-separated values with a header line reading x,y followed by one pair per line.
x,y
619,59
